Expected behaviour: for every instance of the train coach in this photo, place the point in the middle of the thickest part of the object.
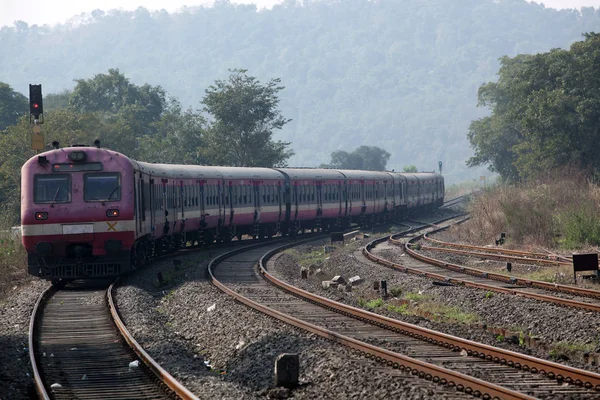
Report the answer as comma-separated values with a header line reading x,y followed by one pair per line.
x,y
90,212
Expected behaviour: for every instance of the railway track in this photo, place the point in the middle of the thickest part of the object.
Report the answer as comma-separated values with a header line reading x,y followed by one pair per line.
x,y
79,348
468,367
420,264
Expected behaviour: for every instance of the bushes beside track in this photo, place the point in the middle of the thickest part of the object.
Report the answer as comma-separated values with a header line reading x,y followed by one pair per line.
x,y
13,258
560,210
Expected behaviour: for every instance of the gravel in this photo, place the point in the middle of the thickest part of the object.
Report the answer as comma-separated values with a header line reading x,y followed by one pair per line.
x,y
550,323
15,311
229,352
175,326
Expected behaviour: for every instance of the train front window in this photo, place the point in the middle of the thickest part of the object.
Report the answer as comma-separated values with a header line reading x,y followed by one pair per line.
x,y
52,189
102,187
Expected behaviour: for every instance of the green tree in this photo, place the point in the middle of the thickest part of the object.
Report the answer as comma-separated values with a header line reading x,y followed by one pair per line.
x,y
410,169
343,160
54,101
369,158
545,113
12,106
113,93
179,137
245,114
373,157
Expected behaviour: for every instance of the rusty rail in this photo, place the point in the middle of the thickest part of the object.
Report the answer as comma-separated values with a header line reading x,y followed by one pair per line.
x,y
461,382
160,372
553,287
495,255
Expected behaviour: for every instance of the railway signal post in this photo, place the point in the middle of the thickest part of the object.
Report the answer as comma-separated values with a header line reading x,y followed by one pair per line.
x,y
36,116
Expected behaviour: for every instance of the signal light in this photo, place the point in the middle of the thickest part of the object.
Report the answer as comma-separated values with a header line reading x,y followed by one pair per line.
x,y
41,216
36,107
112,213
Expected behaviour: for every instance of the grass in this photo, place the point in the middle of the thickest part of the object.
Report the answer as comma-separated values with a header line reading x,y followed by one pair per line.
x,y
449,314
13,263
375,303
558,210
316,256
489,295
401,309
416,296
562,350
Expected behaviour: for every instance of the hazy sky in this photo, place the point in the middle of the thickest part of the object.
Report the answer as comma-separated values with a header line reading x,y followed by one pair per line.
x,y
58,11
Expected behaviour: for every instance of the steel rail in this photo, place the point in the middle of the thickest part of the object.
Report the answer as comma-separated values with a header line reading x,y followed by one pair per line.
x,y
543,256
40,388
553,370
554,287
160,372
495,256
461,382
471,271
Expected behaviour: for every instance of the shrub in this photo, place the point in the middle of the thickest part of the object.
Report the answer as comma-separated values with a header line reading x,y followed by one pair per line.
x,y
13,266
374,304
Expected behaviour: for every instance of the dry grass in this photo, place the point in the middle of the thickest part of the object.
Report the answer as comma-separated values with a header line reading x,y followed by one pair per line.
x,y
561,209
13,263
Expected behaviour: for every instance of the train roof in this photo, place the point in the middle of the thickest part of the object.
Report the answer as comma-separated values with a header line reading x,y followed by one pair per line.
x,y
181,171
253,173
360,174
312,173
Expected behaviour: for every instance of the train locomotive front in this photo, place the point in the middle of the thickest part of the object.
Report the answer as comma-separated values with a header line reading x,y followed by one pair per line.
x,y
77,213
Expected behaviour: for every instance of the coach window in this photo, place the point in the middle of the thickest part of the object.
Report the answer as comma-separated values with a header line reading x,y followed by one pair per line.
x,y
102,187
52,189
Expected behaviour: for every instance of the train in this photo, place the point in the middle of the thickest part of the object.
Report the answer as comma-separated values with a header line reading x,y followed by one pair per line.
x,y
91,212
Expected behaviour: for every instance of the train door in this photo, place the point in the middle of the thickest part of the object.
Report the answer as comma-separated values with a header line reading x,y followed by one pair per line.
x,y
256,189
363,196
142,203
319,199
153,203
295,200
137,199
348,195
221,202
202,204
229,202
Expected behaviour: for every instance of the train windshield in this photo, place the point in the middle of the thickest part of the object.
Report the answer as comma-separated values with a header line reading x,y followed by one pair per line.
x,y
102,187
52,189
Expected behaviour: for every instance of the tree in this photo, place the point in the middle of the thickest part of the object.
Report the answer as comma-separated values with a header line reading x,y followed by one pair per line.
x,y
179,137
54,101
344,160
370,158
112,93
12,106
245,115
410,169
545,113
373,157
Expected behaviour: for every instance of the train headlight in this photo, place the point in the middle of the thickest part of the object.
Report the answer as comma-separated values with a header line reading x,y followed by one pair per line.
x,y
112,213
77,156
41,216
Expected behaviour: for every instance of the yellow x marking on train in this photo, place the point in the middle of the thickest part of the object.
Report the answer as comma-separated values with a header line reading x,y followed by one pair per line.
x,y
111,227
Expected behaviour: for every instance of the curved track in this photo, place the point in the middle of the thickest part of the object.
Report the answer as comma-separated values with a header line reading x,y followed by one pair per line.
x,y
422,265
78,350
472,368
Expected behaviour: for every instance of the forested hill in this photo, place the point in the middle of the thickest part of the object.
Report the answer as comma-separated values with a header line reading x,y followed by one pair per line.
x,y
399,74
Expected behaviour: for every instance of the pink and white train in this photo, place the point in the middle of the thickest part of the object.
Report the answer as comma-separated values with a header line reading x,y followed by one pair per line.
x,y
89,212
